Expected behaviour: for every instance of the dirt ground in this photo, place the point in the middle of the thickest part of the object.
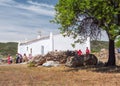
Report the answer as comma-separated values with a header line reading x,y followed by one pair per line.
x,y
22,75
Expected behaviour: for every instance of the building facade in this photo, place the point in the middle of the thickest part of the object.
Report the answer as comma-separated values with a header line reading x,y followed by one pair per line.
x,y
43,45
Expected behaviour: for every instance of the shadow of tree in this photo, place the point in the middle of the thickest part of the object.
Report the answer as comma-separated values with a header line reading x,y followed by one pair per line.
x,y
96,68
110,69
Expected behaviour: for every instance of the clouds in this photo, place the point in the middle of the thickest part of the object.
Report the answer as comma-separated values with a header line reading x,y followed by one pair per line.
x,y
25,19
40,8
43,9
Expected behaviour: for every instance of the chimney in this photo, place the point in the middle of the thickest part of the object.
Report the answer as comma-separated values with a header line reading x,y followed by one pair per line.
x,y
39,35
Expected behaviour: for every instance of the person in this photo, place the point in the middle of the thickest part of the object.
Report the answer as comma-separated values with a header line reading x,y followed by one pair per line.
x,y
11,59
25,58
21,58
79,52
87,51
8,59
17,58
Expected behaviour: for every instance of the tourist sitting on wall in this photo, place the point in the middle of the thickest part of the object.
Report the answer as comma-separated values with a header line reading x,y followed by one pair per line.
x,y
79,52
87,51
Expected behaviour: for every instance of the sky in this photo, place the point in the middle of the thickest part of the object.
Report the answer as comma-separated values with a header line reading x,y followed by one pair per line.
x,y
21,20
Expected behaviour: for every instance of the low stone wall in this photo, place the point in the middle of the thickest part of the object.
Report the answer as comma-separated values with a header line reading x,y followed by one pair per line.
x,y
65,57
76,61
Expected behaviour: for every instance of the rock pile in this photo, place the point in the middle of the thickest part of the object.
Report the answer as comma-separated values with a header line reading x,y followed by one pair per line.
x,y
69,58
76,61
61,57
38,60
56,56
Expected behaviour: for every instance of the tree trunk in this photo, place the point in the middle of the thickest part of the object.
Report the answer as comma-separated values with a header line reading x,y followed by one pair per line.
x,y
111,59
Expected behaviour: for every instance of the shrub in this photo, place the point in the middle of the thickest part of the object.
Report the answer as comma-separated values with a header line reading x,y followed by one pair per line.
x,y
31,64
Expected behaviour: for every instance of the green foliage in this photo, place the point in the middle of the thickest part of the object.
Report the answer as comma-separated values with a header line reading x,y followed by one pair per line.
x,y
31,64
105,12
8,48
117,43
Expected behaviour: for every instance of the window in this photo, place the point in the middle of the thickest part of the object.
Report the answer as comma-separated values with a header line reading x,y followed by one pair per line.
x,y
42,49
27,48
31,50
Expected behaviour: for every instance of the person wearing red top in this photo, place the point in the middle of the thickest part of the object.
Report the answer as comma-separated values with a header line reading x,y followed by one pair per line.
x,y
87,50
8,59
79,52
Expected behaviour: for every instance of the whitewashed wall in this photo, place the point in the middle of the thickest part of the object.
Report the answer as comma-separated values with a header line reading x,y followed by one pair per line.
x,y
36,47
56,42
21,48
64,43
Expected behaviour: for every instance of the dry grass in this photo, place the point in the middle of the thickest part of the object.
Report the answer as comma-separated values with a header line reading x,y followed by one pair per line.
x,y
21,75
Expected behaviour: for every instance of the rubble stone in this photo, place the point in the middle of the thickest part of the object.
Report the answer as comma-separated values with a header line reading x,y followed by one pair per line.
x,y
70,58
76,61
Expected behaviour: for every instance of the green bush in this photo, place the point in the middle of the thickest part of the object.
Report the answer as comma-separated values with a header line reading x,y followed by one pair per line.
x,y
31,64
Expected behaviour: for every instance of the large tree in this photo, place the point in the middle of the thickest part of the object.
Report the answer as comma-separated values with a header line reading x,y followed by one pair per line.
x,y
86,18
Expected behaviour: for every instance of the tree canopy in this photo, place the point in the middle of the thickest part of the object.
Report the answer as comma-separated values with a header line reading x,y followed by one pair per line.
x,y
87,18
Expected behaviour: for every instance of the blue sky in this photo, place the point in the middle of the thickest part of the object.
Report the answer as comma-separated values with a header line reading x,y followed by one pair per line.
x,y
22,19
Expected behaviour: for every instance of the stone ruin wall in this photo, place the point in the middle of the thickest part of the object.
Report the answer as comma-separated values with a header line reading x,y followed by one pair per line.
x,y
103,55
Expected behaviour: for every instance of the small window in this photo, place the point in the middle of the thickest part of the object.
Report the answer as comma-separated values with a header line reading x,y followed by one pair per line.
x,y
27,48
42,50
31,50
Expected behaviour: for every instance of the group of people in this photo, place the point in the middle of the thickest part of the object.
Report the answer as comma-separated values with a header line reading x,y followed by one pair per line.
x,y
79,52
19,58
24,58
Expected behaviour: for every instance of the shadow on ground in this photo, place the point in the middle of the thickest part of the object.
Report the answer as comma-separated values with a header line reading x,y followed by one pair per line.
x,y
101,69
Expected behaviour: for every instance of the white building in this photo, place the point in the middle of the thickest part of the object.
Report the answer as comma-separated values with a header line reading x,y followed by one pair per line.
x,y
43,45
